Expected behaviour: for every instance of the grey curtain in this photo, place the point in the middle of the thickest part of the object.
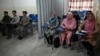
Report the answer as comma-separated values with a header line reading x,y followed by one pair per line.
x,y
44,7
43,10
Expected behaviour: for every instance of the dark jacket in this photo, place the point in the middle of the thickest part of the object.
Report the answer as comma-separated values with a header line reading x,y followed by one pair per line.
x,y
77,18
6,19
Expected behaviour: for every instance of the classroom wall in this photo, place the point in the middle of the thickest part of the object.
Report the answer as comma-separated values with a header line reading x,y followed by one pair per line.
x,y
18,5
95,6
98,14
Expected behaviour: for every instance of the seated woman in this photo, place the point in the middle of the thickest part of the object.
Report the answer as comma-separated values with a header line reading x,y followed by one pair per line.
x,y
52,24
90,26
69,25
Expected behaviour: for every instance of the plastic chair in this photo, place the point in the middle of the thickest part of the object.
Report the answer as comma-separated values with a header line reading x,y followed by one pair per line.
x,y
34,17
30,27
82,14
81,35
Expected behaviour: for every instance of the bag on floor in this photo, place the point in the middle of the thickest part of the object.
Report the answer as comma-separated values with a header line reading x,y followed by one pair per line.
x,y
56,42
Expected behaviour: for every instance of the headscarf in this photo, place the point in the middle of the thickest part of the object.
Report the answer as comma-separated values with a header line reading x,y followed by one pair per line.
x,y
90,25
72,18
71,14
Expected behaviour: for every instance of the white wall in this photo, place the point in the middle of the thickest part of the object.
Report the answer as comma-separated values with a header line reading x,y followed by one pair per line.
x,y
96,6
18,5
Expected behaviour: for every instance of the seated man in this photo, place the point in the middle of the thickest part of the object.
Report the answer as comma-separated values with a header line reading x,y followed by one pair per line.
x,y
15,19
91,28
23,24
6,27
14,22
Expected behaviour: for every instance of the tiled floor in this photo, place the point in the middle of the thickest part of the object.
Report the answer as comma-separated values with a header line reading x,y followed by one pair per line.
x,y
31,46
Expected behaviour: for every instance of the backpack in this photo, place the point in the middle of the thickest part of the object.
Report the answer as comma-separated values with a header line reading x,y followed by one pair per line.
x,y
56,42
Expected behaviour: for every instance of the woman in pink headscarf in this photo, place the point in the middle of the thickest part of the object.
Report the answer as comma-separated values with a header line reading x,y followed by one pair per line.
x,y
91,28
69,24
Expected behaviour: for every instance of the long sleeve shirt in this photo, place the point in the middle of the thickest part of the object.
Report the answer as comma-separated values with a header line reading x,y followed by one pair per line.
x,y
15,20
71,23
25,20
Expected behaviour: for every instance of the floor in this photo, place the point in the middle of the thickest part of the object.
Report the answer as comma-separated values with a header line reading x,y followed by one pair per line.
x,y
32,46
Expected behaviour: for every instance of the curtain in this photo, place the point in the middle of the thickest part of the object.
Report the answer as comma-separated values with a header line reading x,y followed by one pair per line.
x,y
43,10
81,5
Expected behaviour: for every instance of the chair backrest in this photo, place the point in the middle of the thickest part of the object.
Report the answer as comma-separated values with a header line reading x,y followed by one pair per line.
x,y
20,17
64,16
82,14
34,17
31,15
59,20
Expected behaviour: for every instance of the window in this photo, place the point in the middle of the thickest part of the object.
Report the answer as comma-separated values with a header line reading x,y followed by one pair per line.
x,y
79,5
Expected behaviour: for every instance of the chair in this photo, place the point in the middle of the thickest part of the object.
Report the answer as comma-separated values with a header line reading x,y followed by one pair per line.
x,y
82,14
81,36
34,19
64,16
30,27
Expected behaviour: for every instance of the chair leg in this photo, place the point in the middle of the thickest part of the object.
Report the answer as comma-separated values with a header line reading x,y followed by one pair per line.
x,y
72,46
32,31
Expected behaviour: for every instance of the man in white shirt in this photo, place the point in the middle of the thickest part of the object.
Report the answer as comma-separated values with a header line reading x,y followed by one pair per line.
x,y
15,19
13,23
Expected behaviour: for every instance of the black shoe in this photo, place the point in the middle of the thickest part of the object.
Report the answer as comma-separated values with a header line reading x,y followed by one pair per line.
x,y
20,38
69,45
72,48
90,53
65,46
8,38
3,34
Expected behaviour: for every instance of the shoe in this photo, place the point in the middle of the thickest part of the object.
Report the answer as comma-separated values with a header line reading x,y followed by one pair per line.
x,y
69,45
72,48
8,38
65,46
3,34
90,53
20,38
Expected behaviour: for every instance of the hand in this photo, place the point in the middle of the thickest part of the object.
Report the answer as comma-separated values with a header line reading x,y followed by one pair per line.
x,y
24,24
51,28
68,28
48,26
